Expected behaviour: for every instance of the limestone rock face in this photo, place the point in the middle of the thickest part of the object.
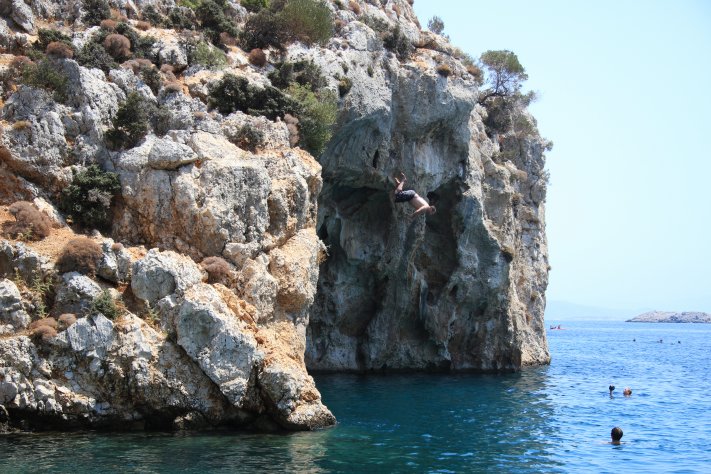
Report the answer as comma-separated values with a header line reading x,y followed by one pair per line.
x,y
12,313
458,290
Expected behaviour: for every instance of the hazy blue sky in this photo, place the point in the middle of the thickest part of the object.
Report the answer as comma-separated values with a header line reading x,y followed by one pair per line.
x,y
625,96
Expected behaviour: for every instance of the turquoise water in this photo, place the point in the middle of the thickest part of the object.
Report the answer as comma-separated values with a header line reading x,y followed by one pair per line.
x,y
549,419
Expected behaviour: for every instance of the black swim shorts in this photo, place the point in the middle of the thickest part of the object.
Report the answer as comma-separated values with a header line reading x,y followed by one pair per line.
x,y
404,196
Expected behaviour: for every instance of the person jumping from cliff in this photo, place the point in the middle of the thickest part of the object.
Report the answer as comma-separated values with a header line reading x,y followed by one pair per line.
x,y
409,195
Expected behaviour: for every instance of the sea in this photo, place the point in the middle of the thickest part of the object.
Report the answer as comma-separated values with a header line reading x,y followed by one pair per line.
x,y
555,418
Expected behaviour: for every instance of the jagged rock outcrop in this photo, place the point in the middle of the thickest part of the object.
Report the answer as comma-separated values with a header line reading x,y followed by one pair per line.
x,y
301,262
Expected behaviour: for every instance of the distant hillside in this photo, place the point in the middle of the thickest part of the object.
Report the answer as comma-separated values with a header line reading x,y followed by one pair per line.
x,y
671,317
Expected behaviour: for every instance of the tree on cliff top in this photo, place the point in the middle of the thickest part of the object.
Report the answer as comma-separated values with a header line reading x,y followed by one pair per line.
x,y
504,74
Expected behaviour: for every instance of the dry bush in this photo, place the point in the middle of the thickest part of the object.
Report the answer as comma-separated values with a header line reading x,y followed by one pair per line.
x,y
173,86
339,24
80,255
167,69
118,46
21,125
58,49
43,333
136,65
444,70
30,223
143,25
18,63
116,247
227,39
49,322
354,6
257,57
108,25
65,320
218,270
292,124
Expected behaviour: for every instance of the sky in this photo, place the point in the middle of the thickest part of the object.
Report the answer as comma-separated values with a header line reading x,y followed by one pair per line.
x,y
625,96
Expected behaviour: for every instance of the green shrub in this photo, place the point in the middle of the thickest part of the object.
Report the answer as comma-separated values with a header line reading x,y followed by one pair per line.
x,y
130,124
206,55
142,46
181,18
398,43
234,93
45,75
105,304
80,254
93,55
306,73
254,5
147,71
213,20
46,36
308,21
435,25
247,137
88,198
153,16
344,86
263,30
317,114
95,11
191,4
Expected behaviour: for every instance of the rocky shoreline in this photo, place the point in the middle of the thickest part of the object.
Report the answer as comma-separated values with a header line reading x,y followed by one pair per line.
x,y
672,317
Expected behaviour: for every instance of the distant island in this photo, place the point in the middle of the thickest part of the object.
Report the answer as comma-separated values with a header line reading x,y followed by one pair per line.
x,y
671,317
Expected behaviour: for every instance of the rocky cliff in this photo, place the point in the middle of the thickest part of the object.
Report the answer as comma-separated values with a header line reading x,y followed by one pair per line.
x,y
231,259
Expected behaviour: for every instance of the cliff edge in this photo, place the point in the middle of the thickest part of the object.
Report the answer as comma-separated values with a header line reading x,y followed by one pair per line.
x,y
173,256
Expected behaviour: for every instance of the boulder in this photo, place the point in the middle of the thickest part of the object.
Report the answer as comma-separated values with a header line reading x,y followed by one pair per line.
x,y
161,274
12,312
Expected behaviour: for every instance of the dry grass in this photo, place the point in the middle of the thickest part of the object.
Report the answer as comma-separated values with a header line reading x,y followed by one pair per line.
x,y
59,50
65,320
118,46
257,57
218,271
30,223
80,254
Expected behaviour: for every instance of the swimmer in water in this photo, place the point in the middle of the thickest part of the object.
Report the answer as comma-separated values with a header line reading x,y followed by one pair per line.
x,y
616,435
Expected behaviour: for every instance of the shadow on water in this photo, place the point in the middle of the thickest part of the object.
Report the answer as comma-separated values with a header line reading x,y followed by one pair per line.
x,y
394,423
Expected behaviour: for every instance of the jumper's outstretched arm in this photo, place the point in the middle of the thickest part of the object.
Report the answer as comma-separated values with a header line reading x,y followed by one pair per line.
x,y
400,183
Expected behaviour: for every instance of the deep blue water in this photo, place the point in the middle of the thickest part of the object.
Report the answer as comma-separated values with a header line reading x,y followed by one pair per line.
x,y
549,419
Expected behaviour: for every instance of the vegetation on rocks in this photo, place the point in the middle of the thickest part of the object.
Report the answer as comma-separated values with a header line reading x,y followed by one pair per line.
x,y
80,254
130,125
88,198
234,93
104,303
30,223
45,75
